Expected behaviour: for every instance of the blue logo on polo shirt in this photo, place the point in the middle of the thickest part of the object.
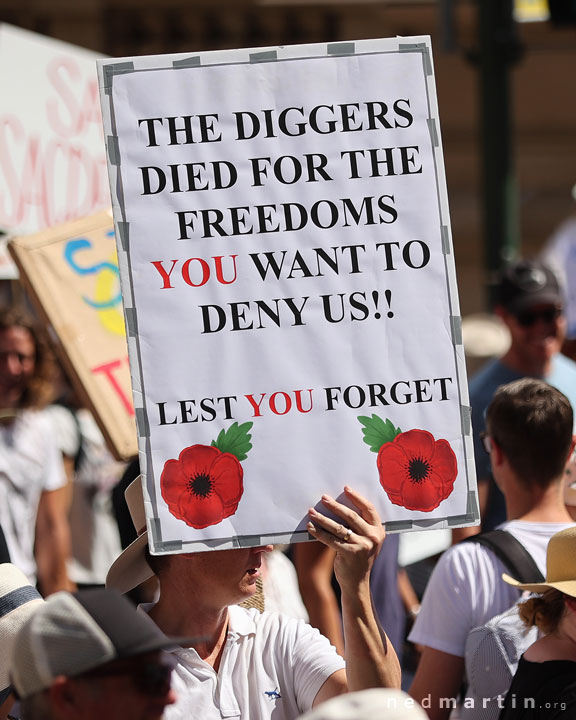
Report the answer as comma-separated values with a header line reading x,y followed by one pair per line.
x,y
273,694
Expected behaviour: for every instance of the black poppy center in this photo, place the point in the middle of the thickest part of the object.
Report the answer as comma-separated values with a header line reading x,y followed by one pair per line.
x,y
418,469
200,485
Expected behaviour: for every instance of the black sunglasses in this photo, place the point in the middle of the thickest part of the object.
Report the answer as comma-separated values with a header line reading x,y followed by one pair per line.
x,y
527,318
151,678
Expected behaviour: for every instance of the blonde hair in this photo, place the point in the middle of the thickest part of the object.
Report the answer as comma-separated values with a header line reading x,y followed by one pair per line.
x,y
545,611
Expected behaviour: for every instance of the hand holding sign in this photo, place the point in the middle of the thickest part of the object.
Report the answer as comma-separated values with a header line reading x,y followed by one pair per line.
x,y
357,538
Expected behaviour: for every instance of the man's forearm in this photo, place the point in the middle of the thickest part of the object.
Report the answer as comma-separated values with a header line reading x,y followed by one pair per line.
x,y
437,682
52,544
51,554
371,660
314,565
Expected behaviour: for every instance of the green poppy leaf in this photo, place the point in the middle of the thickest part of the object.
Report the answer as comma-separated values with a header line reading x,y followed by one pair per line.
x,y
377,431
235,440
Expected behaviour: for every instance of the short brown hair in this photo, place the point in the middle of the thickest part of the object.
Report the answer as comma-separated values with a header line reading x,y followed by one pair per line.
x,y
41,389
532,422
544,611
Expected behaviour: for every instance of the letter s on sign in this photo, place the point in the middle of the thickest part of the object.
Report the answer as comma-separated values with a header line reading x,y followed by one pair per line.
x,y
108,299
64,111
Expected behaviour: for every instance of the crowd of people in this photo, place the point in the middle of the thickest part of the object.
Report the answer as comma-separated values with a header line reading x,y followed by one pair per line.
x,y
90,630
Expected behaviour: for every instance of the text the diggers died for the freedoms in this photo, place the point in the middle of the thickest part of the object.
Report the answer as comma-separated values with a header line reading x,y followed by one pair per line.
x,y
217,222
323,214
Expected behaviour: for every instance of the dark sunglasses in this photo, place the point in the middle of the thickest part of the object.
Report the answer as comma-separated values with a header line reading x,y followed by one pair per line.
x,y
151,678
527,318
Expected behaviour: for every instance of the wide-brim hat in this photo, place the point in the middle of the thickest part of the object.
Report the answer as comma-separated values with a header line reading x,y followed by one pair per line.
x,y
560,566
130,568
18,601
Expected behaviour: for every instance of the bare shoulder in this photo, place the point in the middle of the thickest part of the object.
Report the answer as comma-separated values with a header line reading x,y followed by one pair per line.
x,y
550,648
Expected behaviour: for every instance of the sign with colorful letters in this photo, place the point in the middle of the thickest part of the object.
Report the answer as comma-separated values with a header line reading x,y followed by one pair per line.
x,y
72,274
288,277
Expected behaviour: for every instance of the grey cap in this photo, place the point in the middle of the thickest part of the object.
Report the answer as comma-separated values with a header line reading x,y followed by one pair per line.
x,y
71,634
527,283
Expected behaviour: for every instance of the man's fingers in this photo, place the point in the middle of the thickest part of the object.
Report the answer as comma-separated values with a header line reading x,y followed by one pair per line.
x,y
332,526
349,516
350,525
365,507
340,536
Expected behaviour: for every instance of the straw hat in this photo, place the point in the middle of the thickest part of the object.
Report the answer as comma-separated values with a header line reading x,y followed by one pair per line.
x,y
18,600
560,566
130,568
484,336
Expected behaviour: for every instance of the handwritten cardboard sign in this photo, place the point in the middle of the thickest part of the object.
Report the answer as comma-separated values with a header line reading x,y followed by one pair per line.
x,y
72,274
288,278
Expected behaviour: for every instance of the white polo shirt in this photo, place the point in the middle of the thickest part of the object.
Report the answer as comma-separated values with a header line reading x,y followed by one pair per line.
x,y
272,667
30,463
466,588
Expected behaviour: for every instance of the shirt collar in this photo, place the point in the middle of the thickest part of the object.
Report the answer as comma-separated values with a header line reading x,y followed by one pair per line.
x,y
240,620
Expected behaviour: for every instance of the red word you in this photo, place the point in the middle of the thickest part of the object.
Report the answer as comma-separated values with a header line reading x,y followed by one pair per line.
x,y
281,403
196,271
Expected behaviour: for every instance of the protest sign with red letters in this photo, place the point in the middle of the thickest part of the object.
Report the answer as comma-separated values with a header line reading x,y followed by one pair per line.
x,y
289,284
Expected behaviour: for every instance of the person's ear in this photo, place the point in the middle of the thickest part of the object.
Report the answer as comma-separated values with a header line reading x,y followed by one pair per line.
x,y
500,312
497,457
63,699
570,603
505,317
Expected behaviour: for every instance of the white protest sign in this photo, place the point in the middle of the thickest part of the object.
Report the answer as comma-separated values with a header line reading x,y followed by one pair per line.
x,y
52,153
289,285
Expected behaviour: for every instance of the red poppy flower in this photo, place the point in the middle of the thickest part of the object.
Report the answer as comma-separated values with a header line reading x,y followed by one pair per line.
x,y
417,471
203,486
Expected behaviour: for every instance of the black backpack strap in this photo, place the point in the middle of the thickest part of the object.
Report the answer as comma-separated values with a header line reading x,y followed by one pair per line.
x,y
512,553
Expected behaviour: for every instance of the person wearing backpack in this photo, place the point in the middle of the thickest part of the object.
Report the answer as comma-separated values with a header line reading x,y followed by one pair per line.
x,y
493,650
544,686
529,438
